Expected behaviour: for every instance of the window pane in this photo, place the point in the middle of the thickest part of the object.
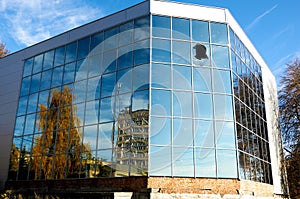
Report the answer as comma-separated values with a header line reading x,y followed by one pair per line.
x,y
91,112
35,83
202,79
71,52
220,57
59,58
69,72
203,105
160,161
200,31
223,107
183,162
38,63
48,60
111,38
93,91
227,164
181,28
106,110
125,57
80,91
109,61
29,124
222,81
20,122
141,77
140,100
95,63
225,135
160,132
96,43
46,80
22,105
124,81
90,136
205,162
182,104
104,139
181,52
28,67
161,76
141,54
83,48
182,77
57,76
32,103
218,33
25,86
201,54
161,102
108,84
161,50
161,26
204,133
126,33
182,132
141,28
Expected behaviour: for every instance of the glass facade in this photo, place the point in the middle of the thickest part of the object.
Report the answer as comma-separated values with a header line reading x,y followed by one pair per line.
x,y
156,96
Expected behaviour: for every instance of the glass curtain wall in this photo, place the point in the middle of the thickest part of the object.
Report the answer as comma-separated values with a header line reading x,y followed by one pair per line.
x,y
84,107
192,131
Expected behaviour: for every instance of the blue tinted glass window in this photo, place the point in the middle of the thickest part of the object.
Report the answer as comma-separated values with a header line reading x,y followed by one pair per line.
x,y
108,84
59,57
201,54
96,43
180,28
125,57
106,110
95,63
69,72
223,107
182,77
93,91
109,61
203,105
141,77
80,91
90,136
222,81
22,105
71,52
205,162
43,98
161,26
20,122
124,80
25,86
83,48
48,60
200,31
161,102
160,164
141,52
202,79
38,63
225,135
204,133
140,100
57,76
161,50
28,67
227,165
161,76
181,52
218,33
183,162
111,38
32,103
160,132
29,124
126,33
220,56
182,132
141,28
91,113
182,104
35,83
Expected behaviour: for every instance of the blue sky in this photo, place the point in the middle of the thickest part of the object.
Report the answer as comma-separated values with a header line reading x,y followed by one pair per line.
x,y
273,26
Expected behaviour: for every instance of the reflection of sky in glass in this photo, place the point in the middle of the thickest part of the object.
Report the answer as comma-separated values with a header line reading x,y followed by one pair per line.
x,y
182,132
205,162
227,159
183,162
160,164
160,131
204,133
90,136
225,135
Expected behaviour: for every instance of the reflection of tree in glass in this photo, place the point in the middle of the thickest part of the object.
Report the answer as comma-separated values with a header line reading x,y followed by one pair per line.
x,y
58,151
13,166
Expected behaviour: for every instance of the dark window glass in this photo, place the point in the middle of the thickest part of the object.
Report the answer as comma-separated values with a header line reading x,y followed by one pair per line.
x,y
111,38
220,57
218,33
202,79
182,77
125,57
29,124
200,31
161,26
96,43
181,52
22,105
38,63
160,164
108,84
48,60
203,107
71,52
28,67
201,54
180,28
161,102
205,162
204,133
83,48
161,50
160,132
183,162
59,57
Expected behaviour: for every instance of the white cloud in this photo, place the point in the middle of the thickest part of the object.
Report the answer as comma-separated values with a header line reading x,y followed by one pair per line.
x,y
260,17
32,21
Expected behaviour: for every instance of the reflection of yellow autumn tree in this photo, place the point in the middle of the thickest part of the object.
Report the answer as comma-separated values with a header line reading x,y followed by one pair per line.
x,y
58,150
14,162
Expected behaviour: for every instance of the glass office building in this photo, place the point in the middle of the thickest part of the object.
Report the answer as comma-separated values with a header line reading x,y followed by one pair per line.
x,y
160,94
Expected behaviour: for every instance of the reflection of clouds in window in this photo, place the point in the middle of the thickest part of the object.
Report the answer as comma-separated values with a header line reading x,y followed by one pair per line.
x,y
204,133
183,162
105,135
90,136
205,162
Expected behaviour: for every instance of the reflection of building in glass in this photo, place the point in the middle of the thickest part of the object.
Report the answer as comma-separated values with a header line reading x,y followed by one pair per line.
x,y
130,101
